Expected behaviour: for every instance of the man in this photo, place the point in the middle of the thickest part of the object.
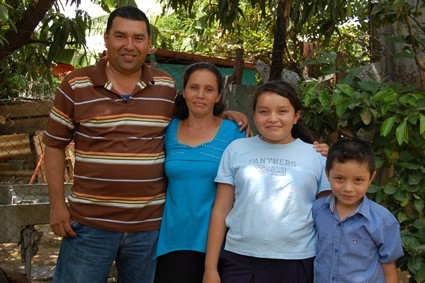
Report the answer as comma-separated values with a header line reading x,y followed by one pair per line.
x,y
116,113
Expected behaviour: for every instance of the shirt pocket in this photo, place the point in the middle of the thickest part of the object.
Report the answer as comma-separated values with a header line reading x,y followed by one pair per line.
x,y
360,250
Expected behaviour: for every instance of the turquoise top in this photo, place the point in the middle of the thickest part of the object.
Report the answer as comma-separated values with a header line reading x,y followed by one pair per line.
x,y
191,188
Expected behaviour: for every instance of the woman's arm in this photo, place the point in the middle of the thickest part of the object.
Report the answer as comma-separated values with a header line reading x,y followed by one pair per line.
x,y
323,148
217,231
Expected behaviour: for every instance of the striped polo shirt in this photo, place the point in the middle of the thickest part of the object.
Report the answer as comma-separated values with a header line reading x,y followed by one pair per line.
x,y
119,181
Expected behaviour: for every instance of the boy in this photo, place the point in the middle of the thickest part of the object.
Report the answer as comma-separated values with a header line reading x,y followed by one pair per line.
x,y
359,240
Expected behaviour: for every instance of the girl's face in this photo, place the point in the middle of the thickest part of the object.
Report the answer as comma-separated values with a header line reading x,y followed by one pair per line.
x,y
201,92
274,117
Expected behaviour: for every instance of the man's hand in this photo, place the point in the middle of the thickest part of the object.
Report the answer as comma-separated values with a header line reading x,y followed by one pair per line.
x,y
240,119
60,217
60,221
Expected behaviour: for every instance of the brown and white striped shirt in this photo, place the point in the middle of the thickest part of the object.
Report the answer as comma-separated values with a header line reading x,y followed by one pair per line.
x,y
119,181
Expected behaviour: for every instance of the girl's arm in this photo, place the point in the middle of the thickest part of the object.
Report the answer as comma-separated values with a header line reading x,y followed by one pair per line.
x,y
390,272
217,231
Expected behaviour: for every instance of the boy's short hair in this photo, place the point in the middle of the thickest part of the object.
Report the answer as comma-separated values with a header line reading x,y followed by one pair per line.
x,y
345,150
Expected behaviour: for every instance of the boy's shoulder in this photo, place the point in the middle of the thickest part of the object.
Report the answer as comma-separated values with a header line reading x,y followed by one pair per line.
x,y
319,204
376,207
380,214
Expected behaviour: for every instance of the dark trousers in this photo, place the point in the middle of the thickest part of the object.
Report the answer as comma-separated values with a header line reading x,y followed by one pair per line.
x,y
180,267
246,269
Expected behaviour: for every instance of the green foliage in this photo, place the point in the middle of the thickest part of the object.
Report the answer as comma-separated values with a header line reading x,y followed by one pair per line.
x,y
26,73
391,116
27,70
407,32
198,31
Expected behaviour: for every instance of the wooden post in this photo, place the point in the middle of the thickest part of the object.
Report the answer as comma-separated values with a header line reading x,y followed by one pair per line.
x,y
238,67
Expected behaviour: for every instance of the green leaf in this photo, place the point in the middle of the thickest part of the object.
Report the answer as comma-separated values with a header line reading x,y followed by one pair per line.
x,y
4,13
402,132
404,54
396,5
405,202
419,205
370,86
386,95
400,196
421,124
419,223
414,263
345,89
373,188
401,217
324,98
389,189
387,126
415,179
340,109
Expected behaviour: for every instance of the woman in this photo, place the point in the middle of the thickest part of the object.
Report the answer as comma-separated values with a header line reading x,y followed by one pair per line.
x,y
194,143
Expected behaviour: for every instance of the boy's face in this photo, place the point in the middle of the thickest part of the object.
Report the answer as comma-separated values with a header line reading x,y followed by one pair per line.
x,y
350,182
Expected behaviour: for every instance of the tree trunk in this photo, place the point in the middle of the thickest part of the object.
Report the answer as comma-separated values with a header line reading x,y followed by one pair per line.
x,y
279,43
25,27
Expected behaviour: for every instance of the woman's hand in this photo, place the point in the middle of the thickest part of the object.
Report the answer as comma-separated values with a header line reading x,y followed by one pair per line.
x,y
323,148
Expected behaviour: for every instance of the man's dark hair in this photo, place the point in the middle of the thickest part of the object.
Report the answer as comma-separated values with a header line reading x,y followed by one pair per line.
x,y
131,13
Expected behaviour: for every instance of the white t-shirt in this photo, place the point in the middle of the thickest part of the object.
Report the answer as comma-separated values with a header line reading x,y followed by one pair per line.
x,y
275,187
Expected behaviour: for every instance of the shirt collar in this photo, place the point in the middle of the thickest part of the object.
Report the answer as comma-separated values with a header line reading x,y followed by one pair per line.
x,y
363,208
99,77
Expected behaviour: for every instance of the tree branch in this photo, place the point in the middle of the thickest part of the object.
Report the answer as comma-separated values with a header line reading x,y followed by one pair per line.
x,y
25,27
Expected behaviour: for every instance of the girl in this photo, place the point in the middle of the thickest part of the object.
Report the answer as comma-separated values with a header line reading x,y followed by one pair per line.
x,y
266,188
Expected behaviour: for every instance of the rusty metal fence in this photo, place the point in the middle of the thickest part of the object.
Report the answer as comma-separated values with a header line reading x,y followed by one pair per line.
x,y
27,244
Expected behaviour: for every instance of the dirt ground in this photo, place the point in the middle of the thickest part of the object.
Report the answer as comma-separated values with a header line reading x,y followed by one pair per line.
x,y
44,261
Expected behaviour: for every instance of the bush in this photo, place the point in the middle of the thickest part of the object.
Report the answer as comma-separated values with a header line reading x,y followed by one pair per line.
x,y
392,118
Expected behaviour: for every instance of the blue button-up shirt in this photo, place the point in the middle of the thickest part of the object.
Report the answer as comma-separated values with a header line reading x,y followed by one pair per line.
x,y
352,249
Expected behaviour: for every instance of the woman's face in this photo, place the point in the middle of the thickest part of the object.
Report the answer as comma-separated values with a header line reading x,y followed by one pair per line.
x,y
201,93
274,117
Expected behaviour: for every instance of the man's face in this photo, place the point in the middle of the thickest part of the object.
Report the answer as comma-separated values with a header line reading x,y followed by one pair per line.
x,y
127,43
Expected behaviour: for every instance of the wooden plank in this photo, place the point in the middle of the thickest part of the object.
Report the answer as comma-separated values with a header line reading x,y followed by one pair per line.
x,y
17,173
30,109
27,125
24,117
5,166
173,56
69,159
14,145
70,162
39,151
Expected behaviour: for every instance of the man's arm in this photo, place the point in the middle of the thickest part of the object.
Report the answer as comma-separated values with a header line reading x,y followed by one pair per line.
x,y
240,119
390,272
60,219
